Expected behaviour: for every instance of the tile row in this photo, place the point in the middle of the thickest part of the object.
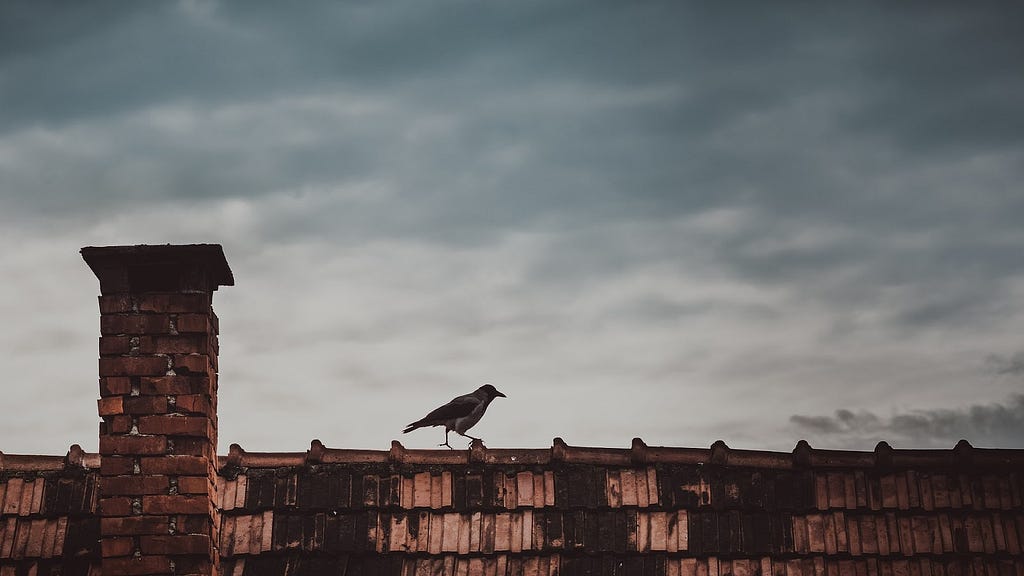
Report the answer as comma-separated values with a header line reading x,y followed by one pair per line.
x,y
50,496
623,531
345,565
32,538
660,564
22,538
691,487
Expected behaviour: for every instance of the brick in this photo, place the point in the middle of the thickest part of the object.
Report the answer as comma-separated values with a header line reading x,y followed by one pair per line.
x,y
176,504
142,565
194,565
132,445
193,446
193,323
119,424
184,344
110,406
175,425
116,465
175,465
175,385
118,506
134,324
175,544
133,366
192,364
133,525
146,405
111,345
194,485
135,485
173,302
115,386
121,546
195,524
115,303
193,403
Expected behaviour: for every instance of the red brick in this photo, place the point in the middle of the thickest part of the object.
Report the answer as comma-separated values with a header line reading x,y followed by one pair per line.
x,y
132,445
175,425
173,302
119,506
192,403
111,345
133,525
146,405
194,485
194,565
175,544
195,524
193,446
176,504
192,363
115,303
112,547
135,485
133,366
119,424
115,385
174,385
115,465
185,344
134,324
110,406
193,323
175,465
142,565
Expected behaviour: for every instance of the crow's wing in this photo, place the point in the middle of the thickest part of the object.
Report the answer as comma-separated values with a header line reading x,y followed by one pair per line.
x,y
457,408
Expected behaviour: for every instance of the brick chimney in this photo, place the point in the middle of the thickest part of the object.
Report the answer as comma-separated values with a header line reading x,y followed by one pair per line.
x,y
158,402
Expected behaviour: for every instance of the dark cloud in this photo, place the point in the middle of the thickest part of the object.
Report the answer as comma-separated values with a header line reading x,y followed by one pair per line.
x,y
1007,365
998,425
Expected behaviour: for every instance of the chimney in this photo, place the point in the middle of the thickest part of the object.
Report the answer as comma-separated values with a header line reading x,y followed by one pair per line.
x,y
158,402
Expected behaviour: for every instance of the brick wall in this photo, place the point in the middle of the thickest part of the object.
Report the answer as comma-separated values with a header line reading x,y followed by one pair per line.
x,y
158,402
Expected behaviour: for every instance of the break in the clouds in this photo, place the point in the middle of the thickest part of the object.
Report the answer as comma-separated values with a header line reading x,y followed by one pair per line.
x,y
685,222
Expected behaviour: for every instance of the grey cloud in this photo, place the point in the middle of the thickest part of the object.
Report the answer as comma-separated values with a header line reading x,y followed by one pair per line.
x,y
993,425
1007,365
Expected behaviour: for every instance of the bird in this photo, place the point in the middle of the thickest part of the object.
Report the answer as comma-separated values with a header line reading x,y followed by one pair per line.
x,y
460,414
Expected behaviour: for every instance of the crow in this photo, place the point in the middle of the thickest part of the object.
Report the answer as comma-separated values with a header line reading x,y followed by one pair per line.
x,y
460,414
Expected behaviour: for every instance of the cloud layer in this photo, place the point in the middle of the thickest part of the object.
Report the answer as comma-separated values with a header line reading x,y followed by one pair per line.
x,y
657,220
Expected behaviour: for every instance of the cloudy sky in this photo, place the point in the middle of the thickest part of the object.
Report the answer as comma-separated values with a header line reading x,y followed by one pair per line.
x,y
646,219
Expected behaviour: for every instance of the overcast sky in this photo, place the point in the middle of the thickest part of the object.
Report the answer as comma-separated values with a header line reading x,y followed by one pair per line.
x,y
685,223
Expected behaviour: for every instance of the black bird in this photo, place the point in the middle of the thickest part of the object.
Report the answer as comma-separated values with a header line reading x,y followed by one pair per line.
x,y
460,414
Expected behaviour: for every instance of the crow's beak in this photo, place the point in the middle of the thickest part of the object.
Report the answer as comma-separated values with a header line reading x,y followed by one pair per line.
x,y
496,393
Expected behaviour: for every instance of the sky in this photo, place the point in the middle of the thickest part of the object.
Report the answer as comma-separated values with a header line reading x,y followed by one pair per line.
x,y
677,221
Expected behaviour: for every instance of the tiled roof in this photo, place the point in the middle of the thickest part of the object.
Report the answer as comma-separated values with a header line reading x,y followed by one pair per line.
x,y
563,510
644,510
48,522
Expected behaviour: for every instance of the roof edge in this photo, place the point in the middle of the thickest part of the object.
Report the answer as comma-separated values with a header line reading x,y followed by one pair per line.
x,y
639,453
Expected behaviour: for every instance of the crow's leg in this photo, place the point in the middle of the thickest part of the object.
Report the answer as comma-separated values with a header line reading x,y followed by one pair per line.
x,y
471,438
446,431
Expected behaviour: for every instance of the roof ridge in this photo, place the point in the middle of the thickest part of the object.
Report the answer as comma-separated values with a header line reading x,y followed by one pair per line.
x,y
639,453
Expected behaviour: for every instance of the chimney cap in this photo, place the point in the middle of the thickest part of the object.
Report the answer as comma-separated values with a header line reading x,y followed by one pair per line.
x,y
159,267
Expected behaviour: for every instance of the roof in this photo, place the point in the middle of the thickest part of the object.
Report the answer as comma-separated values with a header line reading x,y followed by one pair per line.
x,y
566,510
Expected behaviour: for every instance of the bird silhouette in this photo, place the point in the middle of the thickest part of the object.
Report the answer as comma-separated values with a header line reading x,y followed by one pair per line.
x,y
460,414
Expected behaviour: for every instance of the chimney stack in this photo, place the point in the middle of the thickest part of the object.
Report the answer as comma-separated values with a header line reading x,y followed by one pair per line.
x,y
158,402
